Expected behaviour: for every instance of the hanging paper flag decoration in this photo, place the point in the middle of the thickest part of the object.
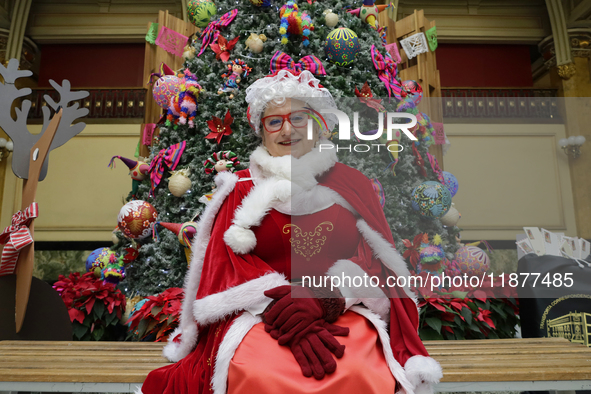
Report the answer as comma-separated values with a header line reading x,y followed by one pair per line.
x,y
414,45
432,38
282,61
387,73
167,158
152,33
393,51
171,41
212,31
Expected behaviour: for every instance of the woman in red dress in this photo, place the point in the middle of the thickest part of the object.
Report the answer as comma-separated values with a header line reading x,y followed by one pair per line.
x,y
247,323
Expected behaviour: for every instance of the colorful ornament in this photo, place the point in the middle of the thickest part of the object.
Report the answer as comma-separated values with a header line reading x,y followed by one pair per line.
x,y
113,273
137,169
387,73
255,42
136,218
414,91
450,182
210,33
432,256
185,233
235,70
341,46
166,87
166,158
183,107
472,260
369,12
452,217
221,161
261,3
366,97
99,259
189,52
294,23
219,128
431,199
200,12
282,61
222,47
330,18
179,182
379,189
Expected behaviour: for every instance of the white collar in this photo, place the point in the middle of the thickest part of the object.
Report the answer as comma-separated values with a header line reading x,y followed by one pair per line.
x,y
302,171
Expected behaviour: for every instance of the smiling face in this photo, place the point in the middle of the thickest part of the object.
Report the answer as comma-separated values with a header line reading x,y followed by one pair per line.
x,y
289,140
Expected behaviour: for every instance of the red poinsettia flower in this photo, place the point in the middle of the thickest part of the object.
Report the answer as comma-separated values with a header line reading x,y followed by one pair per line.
x,y
366,97
484,316
219,128
222,48
412,249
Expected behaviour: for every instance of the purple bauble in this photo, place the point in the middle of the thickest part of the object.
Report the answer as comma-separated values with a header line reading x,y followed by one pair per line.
x,y
450,182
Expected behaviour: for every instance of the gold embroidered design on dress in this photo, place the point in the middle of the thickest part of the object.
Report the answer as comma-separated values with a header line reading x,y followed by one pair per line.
x,y
307,243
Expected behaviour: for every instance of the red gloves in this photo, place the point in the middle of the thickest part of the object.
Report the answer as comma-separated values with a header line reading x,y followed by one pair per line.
x,y
301,324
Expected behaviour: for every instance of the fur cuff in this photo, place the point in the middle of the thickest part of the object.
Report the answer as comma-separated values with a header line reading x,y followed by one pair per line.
x,y
177,349
241,240
238,298
423,372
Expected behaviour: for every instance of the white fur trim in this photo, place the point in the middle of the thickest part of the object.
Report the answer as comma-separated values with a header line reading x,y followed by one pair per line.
x,y
225,182
242,297
241,240
395,368
423,372
386,253
372,297
139,390
240,327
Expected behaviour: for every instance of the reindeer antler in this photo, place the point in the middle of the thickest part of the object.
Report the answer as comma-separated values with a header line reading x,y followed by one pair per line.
x,y
17,129
66,129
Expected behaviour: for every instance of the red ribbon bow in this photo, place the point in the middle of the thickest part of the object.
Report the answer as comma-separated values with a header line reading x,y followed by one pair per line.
x,y
16,237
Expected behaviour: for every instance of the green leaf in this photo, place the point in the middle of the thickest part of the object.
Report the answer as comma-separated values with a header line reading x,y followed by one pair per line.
x,y
111,318
428,334
79,330
492,335
98,332
434,323
467,314
88,321
472,306
99,309
498,310
459,335
449,335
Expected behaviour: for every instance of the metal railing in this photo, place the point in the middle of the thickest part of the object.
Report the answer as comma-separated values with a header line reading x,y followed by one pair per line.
x,y
500,103
102,103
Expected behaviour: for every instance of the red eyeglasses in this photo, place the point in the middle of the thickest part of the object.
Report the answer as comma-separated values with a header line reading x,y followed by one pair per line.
x,y
274,123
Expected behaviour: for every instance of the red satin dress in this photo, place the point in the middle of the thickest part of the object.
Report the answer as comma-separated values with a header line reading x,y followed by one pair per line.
x,y
302,246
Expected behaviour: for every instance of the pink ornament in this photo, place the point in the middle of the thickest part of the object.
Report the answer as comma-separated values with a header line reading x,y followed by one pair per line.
x,y
165,88
136,218
472,260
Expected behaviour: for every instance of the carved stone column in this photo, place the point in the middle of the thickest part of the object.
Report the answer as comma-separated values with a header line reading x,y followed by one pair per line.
x,y
573,81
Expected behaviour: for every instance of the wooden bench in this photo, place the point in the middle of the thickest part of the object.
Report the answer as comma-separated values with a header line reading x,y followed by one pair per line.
x,y
119,367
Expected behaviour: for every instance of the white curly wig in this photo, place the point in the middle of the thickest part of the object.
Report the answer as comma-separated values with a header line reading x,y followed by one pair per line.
x,y
288,84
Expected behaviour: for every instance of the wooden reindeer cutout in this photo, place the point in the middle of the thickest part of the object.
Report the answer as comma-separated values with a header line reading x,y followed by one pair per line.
x,y
30,162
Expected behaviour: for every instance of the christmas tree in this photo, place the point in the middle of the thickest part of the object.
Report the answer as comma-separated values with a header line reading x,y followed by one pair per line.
x,y
249,37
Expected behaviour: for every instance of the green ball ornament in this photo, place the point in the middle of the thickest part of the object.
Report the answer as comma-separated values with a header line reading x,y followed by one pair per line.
x,y
341,46
431,199
200,12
